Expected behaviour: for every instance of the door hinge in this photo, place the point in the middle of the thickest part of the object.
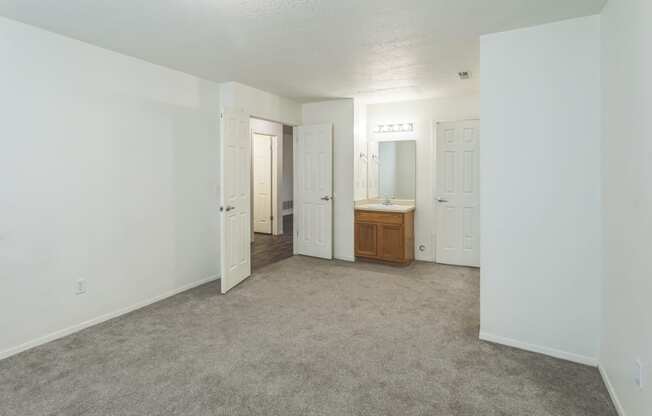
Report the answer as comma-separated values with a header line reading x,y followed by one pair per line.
x,y
221,115
271,218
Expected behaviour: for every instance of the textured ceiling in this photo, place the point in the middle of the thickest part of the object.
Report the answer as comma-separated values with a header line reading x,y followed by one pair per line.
x,y
303,49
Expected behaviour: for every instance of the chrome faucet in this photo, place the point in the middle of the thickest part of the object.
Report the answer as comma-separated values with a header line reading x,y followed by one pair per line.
x,y
387,201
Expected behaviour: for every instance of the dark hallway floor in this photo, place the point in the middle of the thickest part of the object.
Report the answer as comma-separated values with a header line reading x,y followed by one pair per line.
x,y
267,249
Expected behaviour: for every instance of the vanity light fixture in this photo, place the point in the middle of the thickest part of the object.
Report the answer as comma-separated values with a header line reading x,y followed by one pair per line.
x,y
464,75
394,128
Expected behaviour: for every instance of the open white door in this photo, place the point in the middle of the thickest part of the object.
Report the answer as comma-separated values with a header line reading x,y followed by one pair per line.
x,y
262,192
458,193
235,176
313,190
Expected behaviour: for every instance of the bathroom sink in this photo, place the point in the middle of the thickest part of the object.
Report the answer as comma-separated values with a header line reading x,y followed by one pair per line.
x,y
386,208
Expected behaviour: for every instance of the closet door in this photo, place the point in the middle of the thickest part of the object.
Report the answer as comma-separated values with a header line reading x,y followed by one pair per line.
x,y
458,193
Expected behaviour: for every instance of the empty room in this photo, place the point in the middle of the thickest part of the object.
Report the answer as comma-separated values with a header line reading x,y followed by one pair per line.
x,y
326,207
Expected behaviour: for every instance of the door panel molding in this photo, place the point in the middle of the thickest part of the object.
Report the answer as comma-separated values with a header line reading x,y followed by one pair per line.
x,y
457,192
313,190
235,193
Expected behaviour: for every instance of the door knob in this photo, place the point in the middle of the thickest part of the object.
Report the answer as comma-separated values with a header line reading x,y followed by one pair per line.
x,y
326,198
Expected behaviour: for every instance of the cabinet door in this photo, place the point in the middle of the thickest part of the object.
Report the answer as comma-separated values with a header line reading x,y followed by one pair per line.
x,y
366,239
391,242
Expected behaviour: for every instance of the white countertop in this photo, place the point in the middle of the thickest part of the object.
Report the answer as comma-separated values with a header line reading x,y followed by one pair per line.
x,y
379,206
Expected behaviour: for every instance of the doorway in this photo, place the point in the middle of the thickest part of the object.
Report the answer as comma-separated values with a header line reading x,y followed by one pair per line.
x,y
272,192
262,183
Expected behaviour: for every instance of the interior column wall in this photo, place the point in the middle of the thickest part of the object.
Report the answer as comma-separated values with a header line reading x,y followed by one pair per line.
x,y
541,189
627,202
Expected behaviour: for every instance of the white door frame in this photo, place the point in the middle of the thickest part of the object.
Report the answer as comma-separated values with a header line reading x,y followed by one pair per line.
x,y
277,170
436,204
270,177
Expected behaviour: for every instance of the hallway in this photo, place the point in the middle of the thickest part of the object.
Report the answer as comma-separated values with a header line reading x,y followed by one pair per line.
x,y
267,249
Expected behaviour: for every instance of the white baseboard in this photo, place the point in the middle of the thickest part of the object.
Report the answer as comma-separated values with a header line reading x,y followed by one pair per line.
x,y
568,356
612,392
345,258
83,325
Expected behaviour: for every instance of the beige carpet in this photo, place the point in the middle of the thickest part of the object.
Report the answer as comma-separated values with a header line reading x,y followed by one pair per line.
x,y
302,337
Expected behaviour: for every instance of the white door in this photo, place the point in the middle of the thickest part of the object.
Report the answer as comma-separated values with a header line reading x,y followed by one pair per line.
x,y
458,193
235,151
262,170
313,190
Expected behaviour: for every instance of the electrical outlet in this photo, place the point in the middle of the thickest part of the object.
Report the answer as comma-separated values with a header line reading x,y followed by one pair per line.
x,y
639,374
81,287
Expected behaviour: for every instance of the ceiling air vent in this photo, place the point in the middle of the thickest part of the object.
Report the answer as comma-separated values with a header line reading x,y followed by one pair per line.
x,y
464,75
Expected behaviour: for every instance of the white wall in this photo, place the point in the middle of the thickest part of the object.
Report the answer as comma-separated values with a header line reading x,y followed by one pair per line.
x,y
373,169
340,113
109,173
540,170
627,200
360,151
260,104
424,113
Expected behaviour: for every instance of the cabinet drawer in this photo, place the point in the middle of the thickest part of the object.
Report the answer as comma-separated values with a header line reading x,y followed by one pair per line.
x,y
379,217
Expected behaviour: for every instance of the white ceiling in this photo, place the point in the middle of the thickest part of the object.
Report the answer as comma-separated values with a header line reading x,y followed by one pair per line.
x,y
303,49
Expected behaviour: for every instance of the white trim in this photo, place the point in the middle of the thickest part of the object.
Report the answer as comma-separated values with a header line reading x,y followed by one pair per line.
x,y
276,154
86,324
273,142
612,391
296,212
564,355
346,258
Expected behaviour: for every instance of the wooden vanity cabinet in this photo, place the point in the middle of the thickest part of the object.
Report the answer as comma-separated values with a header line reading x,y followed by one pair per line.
x,y
384,236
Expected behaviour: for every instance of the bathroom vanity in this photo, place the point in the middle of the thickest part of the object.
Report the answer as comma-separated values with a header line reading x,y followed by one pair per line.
x,y
385,233
384,221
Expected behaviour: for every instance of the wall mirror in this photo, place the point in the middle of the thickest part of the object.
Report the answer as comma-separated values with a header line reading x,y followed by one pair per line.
x,y
397,169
